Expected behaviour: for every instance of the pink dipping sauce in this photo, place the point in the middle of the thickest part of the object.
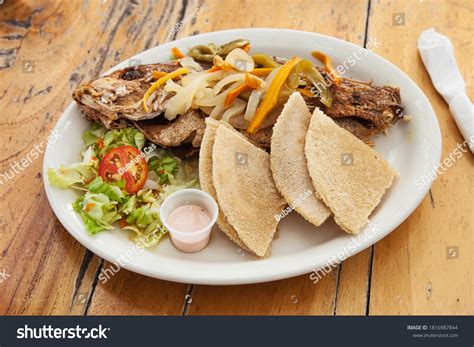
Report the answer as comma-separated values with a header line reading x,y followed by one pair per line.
x,y
188,219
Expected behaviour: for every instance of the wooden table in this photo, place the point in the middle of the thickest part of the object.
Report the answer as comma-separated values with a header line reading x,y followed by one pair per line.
x,y
47,47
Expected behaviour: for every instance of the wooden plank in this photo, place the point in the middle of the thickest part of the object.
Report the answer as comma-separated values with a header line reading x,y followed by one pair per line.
x,y
344,19
51,47
413,271
128,293
293,296
299,295
353,285
39,256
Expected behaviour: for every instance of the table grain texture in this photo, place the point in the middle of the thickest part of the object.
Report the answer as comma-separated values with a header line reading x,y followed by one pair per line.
x,y
47,47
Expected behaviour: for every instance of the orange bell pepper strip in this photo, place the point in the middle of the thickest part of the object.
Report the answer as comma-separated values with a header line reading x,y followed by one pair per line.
x,y
250,83
262,71
323,58
305,92
229,99
270,100
177,53
214,68
159,74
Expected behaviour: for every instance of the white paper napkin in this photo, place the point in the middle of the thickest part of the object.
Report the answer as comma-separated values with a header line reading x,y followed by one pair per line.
x,y
437,53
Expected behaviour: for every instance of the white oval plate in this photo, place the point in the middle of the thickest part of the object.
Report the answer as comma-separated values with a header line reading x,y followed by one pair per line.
x,y
412,148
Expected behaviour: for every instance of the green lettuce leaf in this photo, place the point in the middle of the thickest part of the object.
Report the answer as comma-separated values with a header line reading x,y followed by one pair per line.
x,y
164,167
122,137
98,212
150,237
91,136
89,157
129,206
145,214
66,176
175,186
145,196
92,226
112,139
146,225
113,192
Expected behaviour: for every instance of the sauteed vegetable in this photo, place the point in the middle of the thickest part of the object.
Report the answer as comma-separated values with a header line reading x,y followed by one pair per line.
x,y
247,87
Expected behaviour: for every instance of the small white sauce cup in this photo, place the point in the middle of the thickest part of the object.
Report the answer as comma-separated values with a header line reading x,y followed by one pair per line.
x,y
189,241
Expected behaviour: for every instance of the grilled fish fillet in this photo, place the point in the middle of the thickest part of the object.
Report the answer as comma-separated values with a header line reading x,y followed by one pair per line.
x,y
118,96
361,108
115,101
183,135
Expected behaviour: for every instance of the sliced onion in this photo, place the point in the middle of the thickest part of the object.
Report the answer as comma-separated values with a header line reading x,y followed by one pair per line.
x,y
217,75
239,122
175,106
185,80
220,98
190,63
217,111
240,60
217,61
192,89
204,92
252,105
207,110
208,92
183,99
237,108
270,77
213,101
172,86
229,79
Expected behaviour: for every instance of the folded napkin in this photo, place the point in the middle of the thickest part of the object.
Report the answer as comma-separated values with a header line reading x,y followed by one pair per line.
x,y
437,53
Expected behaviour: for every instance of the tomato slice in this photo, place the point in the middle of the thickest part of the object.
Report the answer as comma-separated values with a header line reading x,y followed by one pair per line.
x,y
127,163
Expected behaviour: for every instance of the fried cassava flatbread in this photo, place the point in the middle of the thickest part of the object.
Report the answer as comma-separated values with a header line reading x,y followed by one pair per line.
x,y
350,177
245,189
288,161
205,177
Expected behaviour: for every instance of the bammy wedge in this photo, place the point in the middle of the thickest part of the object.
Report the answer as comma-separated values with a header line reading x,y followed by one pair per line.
x,y
205,177
288,161
350,177
245,189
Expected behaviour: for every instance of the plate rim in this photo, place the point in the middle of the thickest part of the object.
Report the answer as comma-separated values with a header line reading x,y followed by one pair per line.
x,y
246,278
